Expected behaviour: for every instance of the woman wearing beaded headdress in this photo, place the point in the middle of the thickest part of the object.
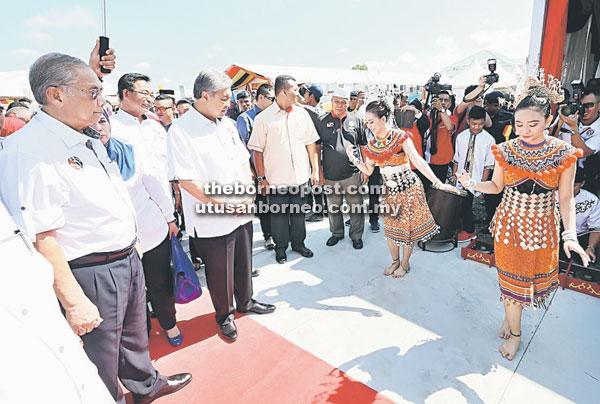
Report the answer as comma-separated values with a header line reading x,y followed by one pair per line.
x,y
406,216
526,224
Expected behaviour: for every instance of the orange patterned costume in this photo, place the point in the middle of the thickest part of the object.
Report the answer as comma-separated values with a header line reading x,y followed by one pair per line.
x,y
526,224
413,220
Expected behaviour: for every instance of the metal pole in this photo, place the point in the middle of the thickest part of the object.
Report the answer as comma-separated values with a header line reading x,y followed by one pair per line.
x,y
103,12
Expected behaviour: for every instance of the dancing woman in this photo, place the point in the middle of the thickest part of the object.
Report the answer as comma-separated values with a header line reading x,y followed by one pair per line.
x,y
406,216
526,224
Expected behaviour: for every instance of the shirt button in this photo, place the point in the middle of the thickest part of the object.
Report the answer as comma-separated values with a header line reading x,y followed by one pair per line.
x,y
24,312
82,387
22,207
61,349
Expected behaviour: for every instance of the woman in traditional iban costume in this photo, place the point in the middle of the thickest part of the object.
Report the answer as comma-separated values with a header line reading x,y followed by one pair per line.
x,y
526,224
406,215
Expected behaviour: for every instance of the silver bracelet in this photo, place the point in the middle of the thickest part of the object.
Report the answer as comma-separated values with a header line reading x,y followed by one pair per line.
x,y
471,184
569,235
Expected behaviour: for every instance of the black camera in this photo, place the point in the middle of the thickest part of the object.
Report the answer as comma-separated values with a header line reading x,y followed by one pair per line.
x,y
573,106
493,76
434,87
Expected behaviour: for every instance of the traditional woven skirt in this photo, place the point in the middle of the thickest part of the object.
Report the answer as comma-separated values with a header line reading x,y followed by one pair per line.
x,y
407,218
526,230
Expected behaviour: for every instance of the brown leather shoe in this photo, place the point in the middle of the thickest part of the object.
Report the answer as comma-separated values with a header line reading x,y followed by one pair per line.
x,y
174,383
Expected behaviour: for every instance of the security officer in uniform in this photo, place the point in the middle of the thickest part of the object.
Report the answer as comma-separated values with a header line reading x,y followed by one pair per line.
x,y
60,187
340,128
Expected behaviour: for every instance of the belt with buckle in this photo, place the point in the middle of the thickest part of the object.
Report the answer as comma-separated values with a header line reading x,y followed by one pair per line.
x,y
101,258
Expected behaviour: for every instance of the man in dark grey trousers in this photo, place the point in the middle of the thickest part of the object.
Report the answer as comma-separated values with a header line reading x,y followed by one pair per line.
x,y
58,183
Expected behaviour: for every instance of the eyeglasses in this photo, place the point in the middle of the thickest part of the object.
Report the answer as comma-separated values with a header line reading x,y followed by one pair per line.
x,y
589,105
146,94
159,108
269,98
92,92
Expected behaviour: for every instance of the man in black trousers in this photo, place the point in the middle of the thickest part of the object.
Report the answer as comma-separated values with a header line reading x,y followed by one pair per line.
x,y
205,151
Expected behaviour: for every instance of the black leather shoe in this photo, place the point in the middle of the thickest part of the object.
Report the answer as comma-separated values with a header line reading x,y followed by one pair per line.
x,y
174,383
255,273
305,252
357,244
280,257
333,240
229,331
260,308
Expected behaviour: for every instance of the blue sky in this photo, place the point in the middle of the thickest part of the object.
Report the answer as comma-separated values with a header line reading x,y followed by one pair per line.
x,y
173,40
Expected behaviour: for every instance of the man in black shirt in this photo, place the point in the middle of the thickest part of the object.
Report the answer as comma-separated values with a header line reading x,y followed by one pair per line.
x,y
500,118
312,96
339,128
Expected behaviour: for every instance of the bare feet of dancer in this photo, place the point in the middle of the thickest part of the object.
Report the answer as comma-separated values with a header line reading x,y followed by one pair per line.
x,y
505,329
392,268
509,348
401,271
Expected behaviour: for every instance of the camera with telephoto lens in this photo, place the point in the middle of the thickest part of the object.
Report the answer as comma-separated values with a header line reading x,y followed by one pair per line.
x,y
434,87
493,76
571,107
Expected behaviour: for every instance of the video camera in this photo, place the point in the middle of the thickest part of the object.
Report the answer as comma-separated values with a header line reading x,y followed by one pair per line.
x,y
574,106
493,76
434,87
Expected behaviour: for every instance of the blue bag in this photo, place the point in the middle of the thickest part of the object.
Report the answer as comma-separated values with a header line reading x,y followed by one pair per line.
x,y
186,286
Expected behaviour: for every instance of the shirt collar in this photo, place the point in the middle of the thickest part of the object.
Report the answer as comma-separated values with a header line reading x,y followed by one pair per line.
x,y
290,109
67,134
126,117
201,119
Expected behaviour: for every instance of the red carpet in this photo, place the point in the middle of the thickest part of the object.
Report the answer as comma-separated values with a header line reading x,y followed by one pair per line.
x,y
260,367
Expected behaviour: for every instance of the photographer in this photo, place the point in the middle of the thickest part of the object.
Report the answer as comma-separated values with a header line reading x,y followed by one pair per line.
x,y
585,134
439,143
500,118
473,96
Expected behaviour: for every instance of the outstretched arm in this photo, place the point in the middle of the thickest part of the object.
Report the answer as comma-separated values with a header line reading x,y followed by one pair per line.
x,y
365,167
494,186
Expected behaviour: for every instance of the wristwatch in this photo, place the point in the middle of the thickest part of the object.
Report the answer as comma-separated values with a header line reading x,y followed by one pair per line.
x,y
260,179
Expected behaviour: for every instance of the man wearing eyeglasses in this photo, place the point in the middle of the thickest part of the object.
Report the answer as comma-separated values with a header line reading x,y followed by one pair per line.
x,y
63,191
164,108
133,126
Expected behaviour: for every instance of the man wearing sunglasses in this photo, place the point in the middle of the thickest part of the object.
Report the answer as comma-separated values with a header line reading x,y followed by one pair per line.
x,y
164,108
585,134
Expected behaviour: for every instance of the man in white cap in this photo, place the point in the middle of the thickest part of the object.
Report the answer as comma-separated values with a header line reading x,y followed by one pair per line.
x,y
340,128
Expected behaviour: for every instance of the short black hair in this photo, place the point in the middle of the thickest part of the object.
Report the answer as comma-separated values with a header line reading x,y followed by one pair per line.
x,y
592,90
263,90
444,92
25,100
477,112
282,82
16,104
184,101
127,81
161,97
397,99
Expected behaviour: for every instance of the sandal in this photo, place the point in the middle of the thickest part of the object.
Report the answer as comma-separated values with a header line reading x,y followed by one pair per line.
x,y
397,261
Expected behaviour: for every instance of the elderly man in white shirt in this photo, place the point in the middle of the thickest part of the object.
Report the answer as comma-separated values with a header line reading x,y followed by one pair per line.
x,y
62,189
205,149
46,349
284,144
473,155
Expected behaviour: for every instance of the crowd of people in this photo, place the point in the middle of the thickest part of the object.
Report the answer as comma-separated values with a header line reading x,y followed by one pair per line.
x,y
92,194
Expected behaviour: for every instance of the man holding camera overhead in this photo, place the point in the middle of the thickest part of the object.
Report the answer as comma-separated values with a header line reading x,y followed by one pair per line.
x,y
500,118
440,151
